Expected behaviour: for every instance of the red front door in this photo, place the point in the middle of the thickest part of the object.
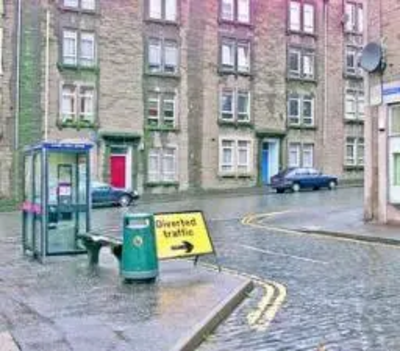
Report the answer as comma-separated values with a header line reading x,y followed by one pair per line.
x,y
118,168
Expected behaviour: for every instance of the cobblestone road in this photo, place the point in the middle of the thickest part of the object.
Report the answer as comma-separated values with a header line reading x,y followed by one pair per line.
x,y
342,294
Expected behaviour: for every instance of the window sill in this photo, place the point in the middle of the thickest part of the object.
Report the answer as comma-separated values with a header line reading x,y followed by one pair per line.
x,y
163,75
78,125
348,75
235,124
353,32
235,23
302,79
354,121
162,22
235,175
78,10
162,184
79,68
301,33
353,168
225,71
162,129
302,126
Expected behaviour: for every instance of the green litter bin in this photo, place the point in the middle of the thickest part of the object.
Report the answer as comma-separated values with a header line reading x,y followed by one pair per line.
x,y
139,254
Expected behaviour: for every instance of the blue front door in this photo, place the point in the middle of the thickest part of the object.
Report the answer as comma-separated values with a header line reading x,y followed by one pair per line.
x,y
265,164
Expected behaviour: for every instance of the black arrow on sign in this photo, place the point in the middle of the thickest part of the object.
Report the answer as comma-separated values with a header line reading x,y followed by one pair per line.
x,y
187,246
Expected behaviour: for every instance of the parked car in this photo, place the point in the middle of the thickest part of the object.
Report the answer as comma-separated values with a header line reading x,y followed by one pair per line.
x,y
296,179
105,194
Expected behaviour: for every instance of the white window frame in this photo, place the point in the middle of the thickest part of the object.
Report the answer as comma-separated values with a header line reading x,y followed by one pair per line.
x,y
68,115
226,16
246,114
166,100
292,72
155,11
294,146
89,5
70,58
83,95
157,100
160,175
308,22
295,16
163,10
311,56
392,109
243,67
243,11
1,50
356,158
355,53
228,61
71,3
243,168
170,16
91,59
310,119
157,64
170,48
223,112
307,148
294,119
233,164
354,17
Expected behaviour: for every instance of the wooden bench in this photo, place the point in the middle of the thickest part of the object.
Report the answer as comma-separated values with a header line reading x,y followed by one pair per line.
x,y
94,242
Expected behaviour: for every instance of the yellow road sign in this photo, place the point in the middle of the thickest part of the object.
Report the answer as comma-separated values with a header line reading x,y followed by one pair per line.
x,y
182,235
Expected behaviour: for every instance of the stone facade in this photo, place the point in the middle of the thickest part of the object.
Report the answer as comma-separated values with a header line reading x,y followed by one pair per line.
x,y
163,123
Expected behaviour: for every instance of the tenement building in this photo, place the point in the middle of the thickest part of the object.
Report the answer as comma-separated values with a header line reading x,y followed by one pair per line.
x,y
381,60
184,94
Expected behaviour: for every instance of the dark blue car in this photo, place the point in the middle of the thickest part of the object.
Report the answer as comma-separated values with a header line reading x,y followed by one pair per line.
x,y
104,194
296,179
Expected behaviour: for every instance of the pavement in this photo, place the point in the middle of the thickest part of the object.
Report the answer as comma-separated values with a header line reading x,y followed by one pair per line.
x,y
66,305
340,221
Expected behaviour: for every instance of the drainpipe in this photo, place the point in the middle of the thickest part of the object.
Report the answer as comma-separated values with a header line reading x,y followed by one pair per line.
x,y
17,98
47,68
325,115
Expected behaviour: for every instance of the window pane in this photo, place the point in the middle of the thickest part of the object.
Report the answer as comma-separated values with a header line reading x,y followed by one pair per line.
x,y
171,56
350,106
308,155
396,168
350,17
243,58
155,10
87,103
294,155
87,55
294,111
360,19
308,65
71,3
70,47
227,105
350,151
395,119
308,111
88,4
360,152
361,106
68,103
243,156
227,55
169,109
154,165
244,11
170,10
155,55
227,156
294,62
168,165
308,18
243,106
153,105
227,10
294,15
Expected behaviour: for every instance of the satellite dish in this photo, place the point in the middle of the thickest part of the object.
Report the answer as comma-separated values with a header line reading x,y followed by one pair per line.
x,y
371,58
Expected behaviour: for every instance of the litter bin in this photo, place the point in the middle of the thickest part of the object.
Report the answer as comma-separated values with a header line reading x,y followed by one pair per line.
x,y
139,253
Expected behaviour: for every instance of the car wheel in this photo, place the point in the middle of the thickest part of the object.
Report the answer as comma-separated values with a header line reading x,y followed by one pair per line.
x,y
332,185
125,200
296,187
280,191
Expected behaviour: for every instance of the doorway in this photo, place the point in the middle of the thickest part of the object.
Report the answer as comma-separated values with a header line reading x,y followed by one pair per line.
x,y
269,159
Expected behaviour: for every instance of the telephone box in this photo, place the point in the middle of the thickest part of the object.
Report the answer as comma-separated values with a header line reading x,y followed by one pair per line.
x,y
56,198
